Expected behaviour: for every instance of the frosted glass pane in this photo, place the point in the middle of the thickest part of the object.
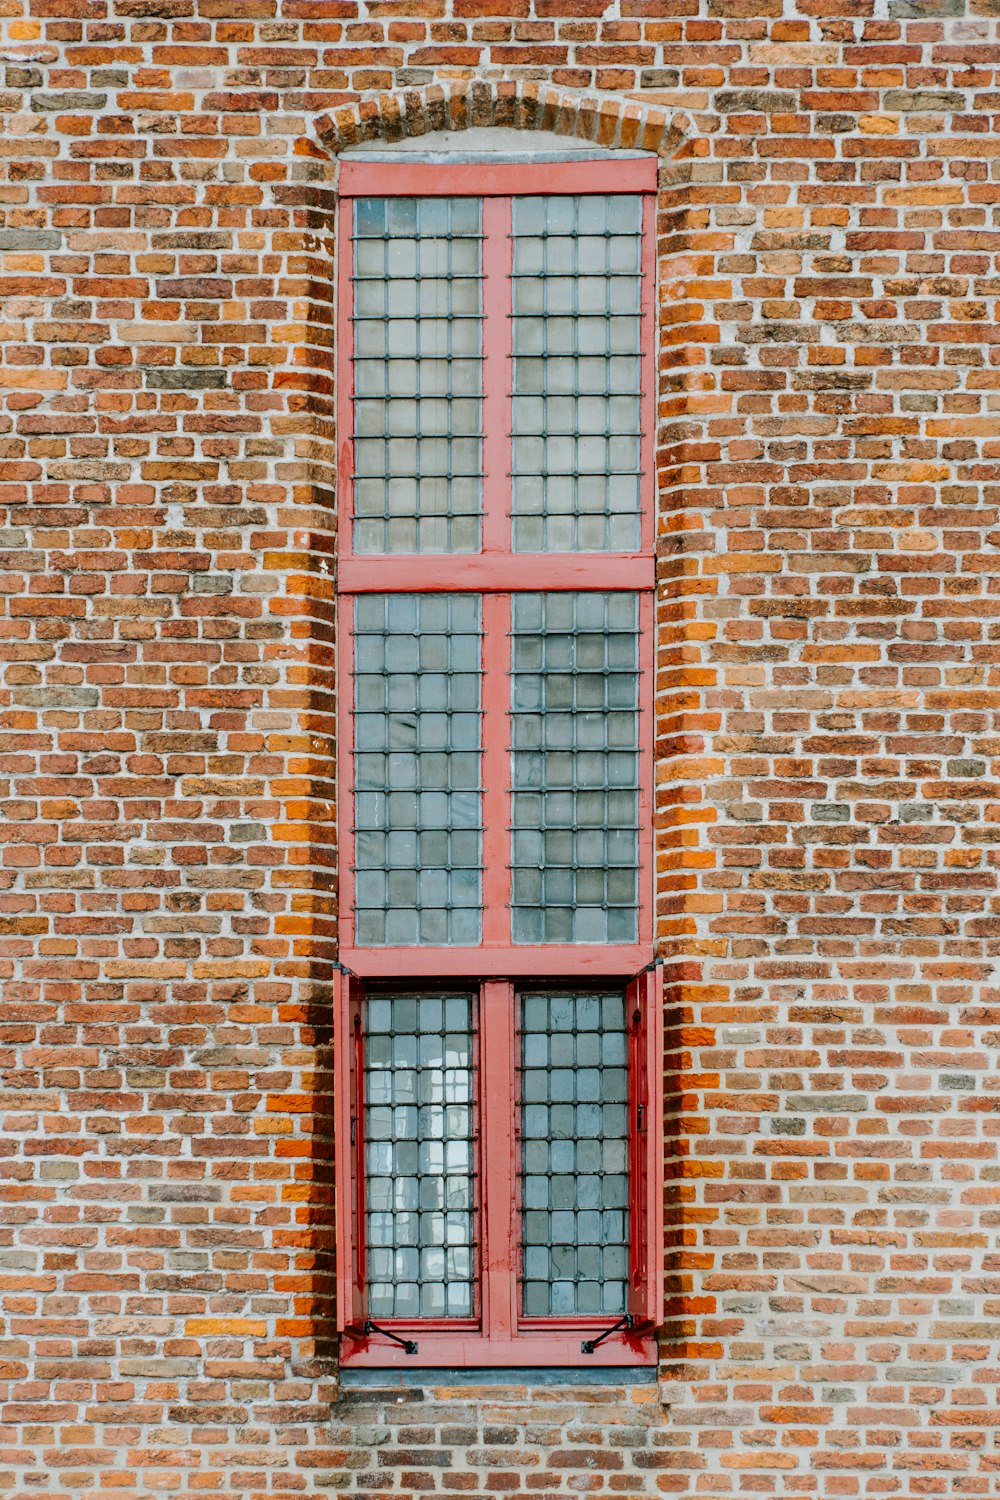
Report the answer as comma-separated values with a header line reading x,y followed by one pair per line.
x,y
417,375
574,768
574,1154
577,405
417,744
418,1131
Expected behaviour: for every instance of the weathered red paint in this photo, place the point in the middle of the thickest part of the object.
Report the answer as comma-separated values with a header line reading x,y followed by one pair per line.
x,y
362,179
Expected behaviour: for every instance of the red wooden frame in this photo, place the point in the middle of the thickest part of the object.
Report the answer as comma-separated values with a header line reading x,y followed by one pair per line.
x,y
498,1336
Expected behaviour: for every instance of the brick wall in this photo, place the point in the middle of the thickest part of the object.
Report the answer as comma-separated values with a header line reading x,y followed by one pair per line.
x,y
499,1437
827,806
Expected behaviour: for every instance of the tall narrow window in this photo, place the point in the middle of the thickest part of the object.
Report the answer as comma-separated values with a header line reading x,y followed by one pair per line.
x,y
498,1054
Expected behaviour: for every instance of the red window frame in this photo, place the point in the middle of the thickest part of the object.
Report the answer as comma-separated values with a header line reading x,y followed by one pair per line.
x,y
498,1335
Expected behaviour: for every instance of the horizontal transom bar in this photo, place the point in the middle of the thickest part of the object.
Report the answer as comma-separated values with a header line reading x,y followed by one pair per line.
x,y
503,573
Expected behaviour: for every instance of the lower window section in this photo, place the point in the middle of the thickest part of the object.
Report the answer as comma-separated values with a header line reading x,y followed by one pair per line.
x,y
495,1168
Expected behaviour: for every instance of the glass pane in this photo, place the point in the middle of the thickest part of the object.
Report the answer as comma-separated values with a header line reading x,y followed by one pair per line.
x,y
417,742
419,1179
574,1154
577,406
417,375
575,768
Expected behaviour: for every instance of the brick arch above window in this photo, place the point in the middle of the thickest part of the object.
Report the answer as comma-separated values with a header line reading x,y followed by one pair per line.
x,y
610,121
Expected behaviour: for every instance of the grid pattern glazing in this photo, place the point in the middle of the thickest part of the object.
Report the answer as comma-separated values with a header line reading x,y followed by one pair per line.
x,y
574,1154
577,373
575,767
417,742
417,375
418,1091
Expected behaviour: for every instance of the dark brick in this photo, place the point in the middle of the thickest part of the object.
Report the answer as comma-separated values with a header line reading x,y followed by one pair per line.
x,y
186,378
66,103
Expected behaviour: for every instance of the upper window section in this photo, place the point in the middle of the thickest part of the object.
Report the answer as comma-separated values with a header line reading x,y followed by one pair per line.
x,y
494,387
496,412
417,375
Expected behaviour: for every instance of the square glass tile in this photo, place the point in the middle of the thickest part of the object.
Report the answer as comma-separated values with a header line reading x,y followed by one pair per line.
x,y
417,375
574,1154
417,753
574,768
419,1164
577,373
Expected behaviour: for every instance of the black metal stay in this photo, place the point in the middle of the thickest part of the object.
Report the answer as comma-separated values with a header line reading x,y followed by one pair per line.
x,y
589,1345
408,1344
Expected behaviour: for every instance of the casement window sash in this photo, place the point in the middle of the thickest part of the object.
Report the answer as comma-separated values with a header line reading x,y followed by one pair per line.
x,y
499,1334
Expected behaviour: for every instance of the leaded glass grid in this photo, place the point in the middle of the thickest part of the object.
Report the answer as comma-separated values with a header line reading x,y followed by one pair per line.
x,y
417,375
574,1154
419,1159
417,793
575,768
577,373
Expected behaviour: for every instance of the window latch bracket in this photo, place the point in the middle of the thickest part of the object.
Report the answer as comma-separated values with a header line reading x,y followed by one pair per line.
x,y
589,1345
409,1345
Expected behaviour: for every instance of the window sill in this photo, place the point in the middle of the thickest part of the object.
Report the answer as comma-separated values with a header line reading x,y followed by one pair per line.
x,y
554,1376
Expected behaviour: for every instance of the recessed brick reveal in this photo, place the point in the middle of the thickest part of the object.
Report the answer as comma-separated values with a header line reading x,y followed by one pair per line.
x,y
826,808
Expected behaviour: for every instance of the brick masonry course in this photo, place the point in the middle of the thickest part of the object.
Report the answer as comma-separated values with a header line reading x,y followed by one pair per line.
x,y
828,738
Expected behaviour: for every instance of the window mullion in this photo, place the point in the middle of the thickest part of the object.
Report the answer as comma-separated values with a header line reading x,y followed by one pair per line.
x,y
497,294
496,769
498,1213
496,291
